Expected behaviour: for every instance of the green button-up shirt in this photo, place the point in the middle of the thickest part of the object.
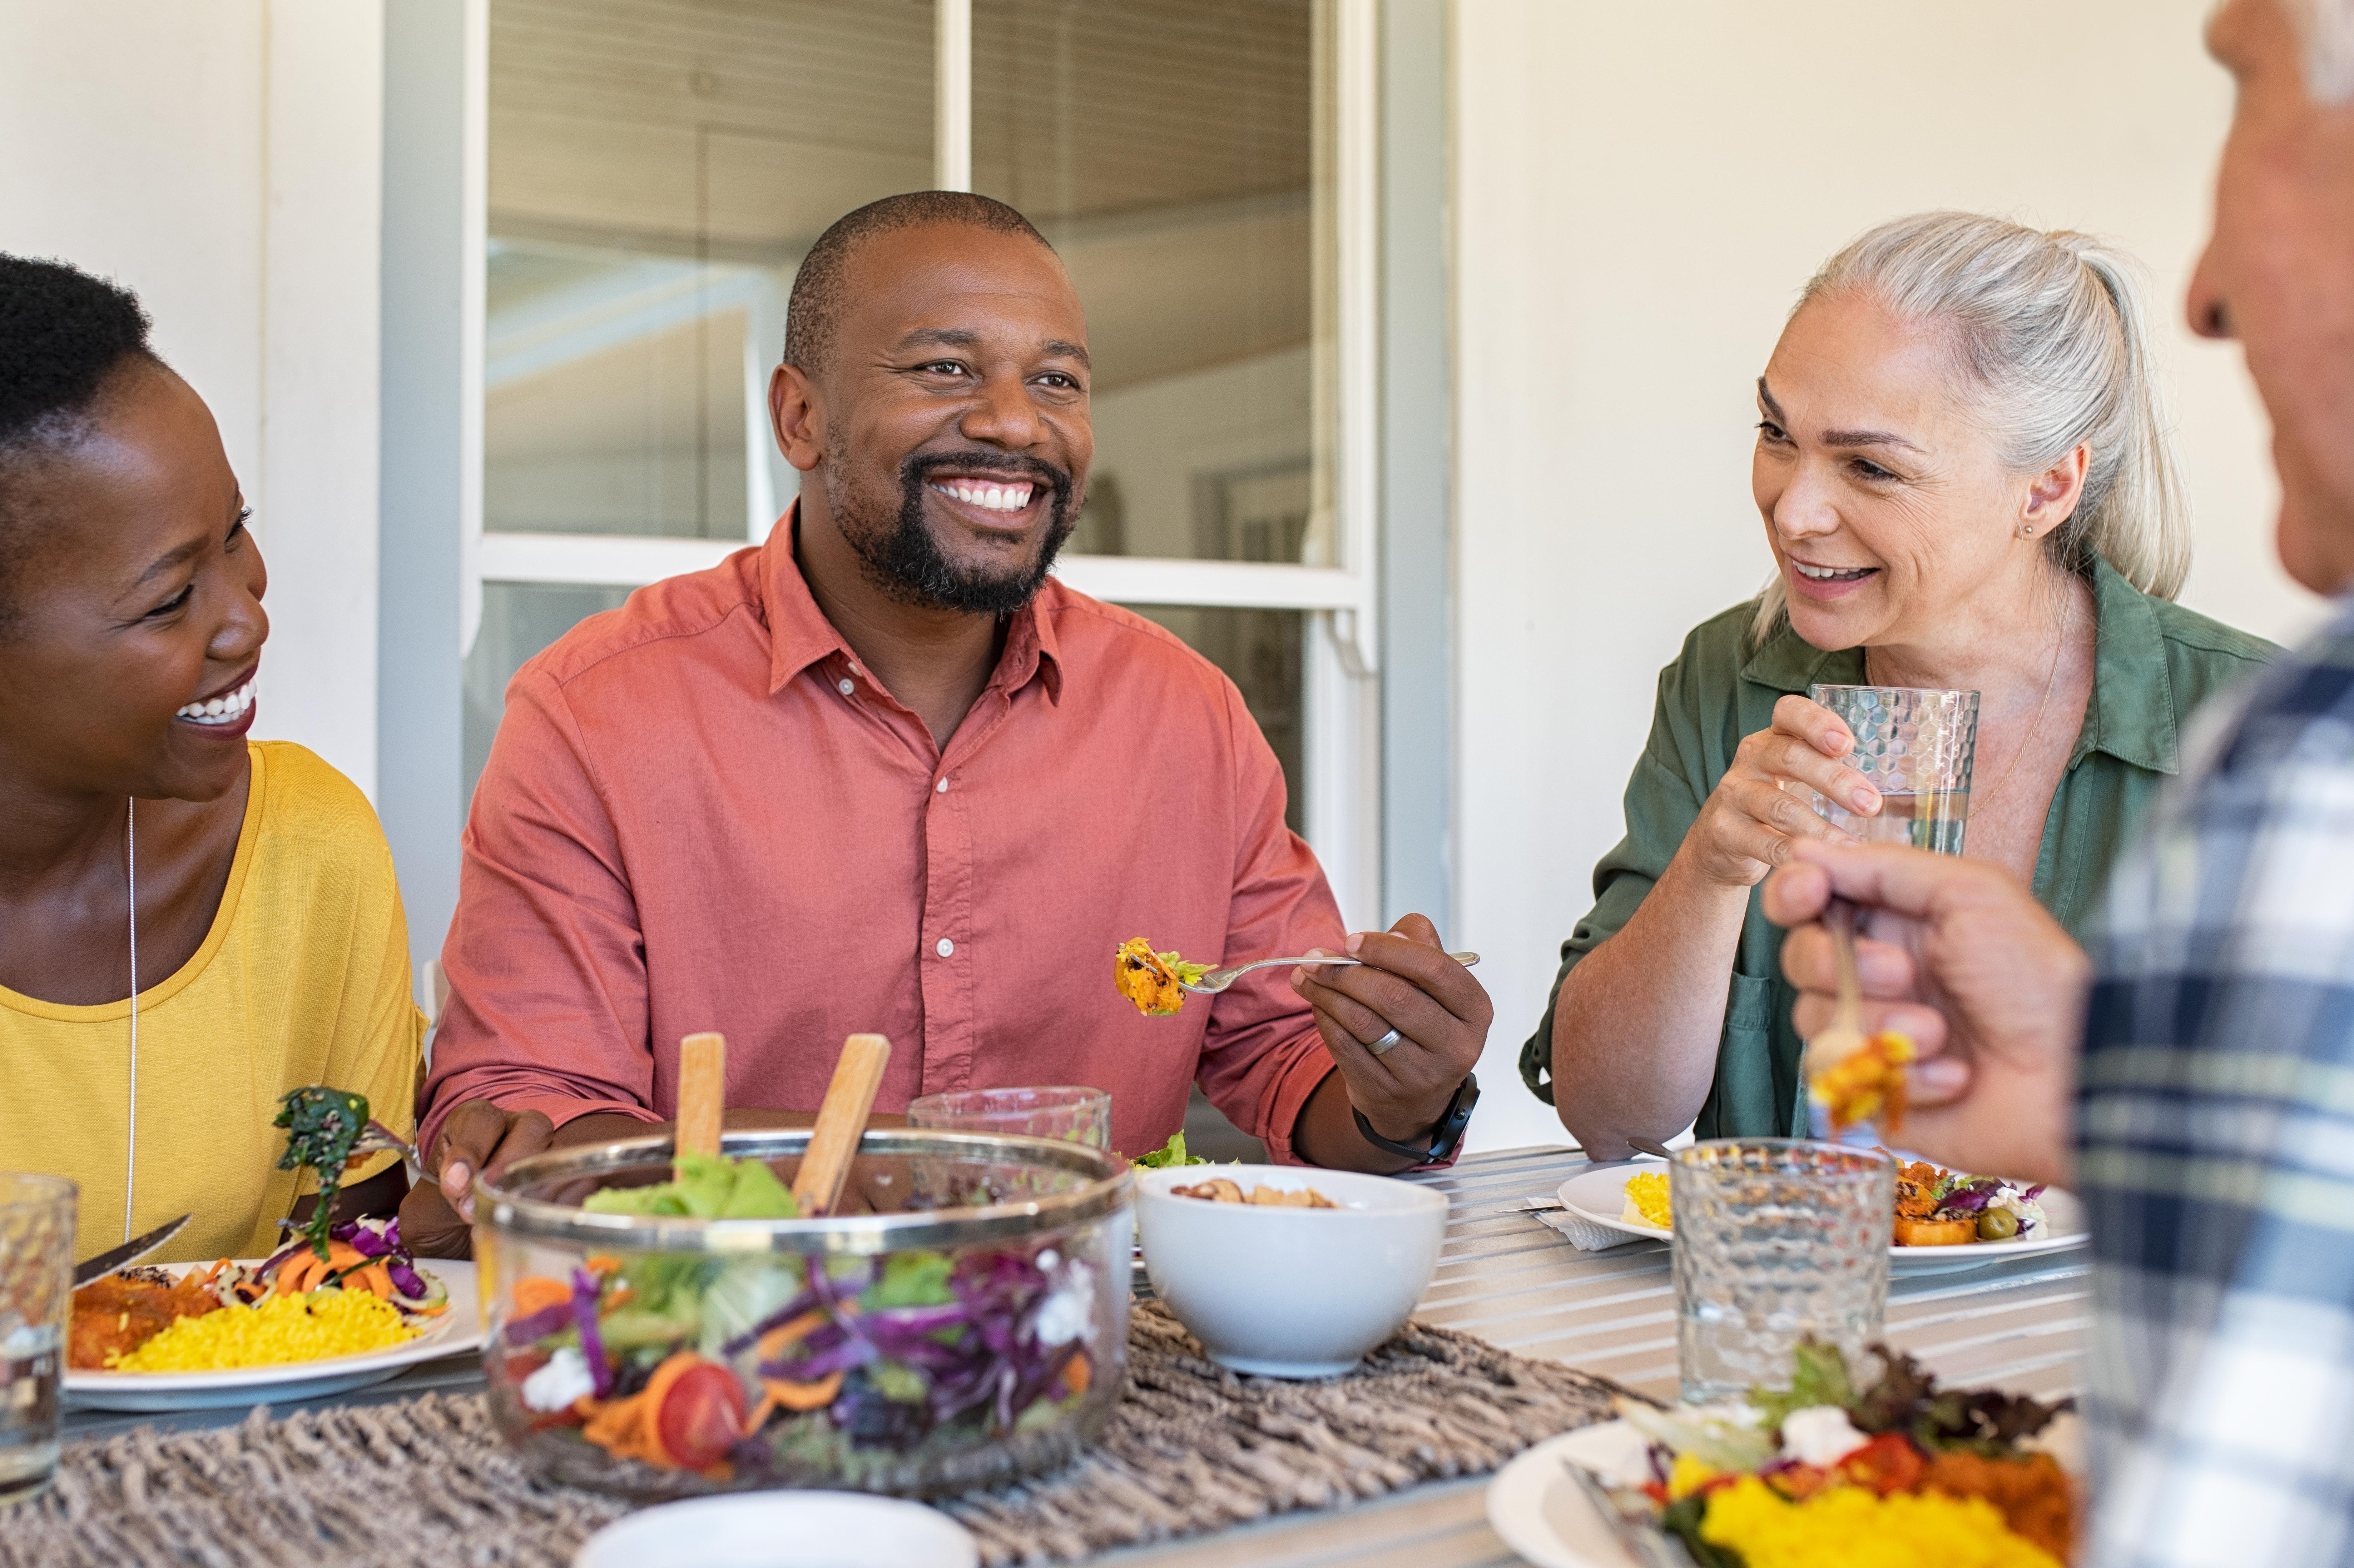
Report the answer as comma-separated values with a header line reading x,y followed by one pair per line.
x,y
2154,663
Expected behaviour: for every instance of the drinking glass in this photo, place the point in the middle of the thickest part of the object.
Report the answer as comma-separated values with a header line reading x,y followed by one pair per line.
x,y
36,1233
1777,1239
1073,1114
1915,746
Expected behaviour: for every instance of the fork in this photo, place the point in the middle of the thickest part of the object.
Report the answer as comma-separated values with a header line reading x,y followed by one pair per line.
x,y
1216,981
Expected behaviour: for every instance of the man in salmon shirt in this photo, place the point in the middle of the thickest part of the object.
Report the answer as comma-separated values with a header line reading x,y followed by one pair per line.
x,y
884,773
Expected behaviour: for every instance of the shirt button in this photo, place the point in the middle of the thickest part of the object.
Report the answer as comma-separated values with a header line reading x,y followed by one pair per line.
x,y
944,947
845,685
942,787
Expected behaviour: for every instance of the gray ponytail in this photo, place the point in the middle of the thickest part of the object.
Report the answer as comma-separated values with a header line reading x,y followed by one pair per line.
x,y
2053,329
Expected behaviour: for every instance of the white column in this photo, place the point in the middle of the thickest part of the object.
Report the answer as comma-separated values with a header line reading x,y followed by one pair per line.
x,y
314,487
952,96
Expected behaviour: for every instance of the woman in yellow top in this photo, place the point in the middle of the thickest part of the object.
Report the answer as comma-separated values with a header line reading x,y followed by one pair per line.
x,y
269,947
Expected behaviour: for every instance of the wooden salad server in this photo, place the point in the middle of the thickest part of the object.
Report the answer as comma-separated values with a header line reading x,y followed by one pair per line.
x,y
702,1093
840,1122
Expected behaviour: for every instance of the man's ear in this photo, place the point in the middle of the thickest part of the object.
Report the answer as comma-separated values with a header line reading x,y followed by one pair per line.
x,y
2053,495
796,416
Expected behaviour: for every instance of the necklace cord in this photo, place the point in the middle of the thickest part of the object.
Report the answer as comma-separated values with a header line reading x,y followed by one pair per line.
x,y
131,1154
2067,624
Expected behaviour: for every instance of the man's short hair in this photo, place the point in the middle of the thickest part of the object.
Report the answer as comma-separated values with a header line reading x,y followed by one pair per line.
x,y
820,288
2328,30
64,336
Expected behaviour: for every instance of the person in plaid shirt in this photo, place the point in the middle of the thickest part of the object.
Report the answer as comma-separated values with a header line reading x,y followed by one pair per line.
x,y
2194,1075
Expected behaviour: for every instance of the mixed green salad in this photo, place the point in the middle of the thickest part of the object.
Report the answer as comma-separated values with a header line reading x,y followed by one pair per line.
x,y
1170,1153
777,1364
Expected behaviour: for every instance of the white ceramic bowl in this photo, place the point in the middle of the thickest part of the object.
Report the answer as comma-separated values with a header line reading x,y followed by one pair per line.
x,y
782,1530
1289,1292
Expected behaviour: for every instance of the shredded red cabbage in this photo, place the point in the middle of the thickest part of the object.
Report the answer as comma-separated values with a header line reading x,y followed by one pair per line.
x,y
585,1291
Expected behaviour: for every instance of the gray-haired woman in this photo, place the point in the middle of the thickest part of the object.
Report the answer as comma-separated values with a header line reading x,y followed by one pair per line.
x,y
1963,469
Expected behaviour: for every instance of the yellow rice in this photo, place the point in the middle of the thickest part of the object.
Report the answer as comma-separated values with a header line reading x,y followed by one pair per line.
x,y
1647,1196
1849,1527
282,1329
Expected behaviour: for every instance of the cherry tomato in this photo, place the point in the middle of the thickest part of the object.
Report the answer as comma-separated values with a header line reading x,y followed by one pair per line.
x,y
702,1416
1888,1463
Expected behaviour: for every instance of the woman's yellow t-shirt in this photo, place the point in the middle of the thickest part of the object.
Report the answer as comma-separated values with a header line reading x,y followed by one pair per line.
x,y
302,978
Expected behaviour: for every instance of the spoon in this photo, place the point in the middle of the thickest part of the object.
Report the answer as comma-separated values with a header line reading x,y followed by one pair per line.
x,y
1843,1037
1650,1146
1216,980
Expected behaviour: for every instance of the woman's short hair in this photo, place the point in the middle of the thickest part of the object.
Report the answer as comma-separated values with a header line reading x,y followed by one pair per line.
x,y
2052,330
64,334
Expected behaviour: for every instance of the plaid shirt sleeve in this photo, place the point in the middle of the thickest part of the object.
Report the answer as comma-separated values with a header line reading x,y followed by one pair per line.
x,y
2217,1158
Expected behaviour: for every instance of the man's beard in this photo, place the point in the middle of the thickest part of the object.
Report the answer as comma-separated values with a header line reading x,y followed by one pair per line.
x,y
903,559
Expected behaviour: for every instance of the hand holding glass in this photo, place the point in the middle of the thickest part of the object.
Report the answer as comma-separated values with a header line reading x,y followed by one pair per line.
x,y
1915,746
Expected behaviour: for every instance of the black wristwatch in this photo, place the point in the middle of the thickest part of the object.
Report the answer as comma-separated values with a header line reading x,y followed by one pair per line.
x,y
1444,1137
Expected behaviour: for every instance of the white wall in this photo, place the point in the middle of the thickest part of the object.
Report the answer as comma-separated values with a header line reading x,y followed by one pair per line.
x,y
1640,190
224,160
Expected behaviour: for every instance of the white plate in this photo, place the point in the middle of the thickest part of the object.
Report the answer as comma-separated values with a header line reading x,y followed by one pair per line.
x,y
1600,1195
459,1329
1545,1516
783,1530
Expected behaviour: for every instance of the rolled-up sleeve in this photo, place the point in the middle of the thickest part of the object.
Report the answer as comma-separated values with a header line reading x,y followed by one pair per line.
x,y
547,1006
1262,1057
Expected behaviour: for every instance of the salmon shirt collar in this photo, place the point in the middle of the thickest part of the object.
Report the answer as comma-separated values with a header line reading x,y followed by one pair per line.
x,y
800,635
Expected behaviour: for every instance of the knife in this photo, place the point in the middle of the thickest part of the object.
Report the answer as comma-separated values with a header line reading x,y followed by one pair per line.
x,y
129,1253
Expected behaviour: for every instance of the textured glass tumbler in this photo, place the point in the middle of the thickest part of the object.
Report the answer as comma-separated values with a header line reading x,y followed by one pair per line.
x,y
1916,747
1071,1114
1777,1239
36,1234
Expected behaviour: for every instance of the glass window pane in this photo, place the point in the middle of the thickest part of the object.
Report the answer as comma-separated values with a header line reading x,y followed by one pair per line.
x,y
657,168
1173,151
518,620
1262,651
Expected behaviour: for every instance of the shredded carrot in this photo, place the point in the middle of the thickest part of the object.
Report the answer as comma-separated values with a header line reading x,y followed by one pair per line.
x,y
295,1275
213,1273
537,1292
1077,1374
658,1387
375,1276
603,1263
778,1340
801,1395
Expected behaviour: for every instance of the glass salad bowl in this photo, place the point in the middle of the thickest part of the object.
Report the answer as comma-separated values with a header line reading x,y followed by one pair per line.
x,y
963,1321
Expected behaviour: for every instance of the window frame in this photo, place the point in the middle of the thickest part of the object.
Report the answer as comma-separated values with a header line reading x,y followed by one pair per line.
x,y
437,51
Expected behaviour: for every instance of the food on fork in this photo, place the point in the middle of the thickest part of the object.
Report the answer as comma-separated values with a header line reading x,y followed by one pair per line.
x,y
1647,1200
1154,981
1223,1190
1867,1084
322,1125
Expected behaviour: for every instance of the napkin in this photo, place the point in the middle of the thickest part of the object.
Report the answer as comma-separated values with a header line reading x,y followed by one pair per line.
x,y
1584,1234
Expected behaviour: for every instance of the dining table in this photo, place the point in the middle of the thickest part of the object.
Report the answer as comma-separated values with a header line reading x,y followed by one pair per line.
x,y
1508,1278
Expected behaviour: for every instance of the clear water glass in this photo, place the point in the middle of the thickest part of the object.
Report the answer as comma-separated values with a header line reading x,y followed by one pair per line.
x,y
1777,1239
1071,1113
36,1233
1916,747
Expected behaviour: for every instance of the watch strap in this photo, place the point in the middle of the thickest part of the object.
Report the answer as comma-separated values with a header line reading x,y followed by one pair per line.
x,y
1444,1138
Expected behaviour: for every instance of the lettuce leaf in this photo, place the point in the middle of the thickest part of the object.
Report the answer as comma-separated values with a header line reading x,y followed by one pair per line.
x,y
1170,1153
1819,1375
707,1187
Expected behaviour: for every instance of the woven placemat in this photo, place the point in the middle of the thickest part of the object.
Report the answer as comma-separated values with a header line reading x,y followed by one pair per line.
x,y
1193,1447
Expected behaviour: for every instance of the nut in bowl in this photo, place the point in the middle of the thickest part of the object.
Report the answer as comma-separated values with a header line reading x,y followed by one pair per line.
x,y
1288,1289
